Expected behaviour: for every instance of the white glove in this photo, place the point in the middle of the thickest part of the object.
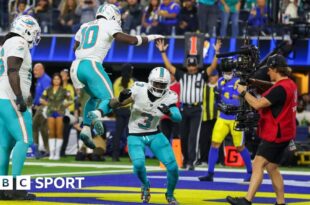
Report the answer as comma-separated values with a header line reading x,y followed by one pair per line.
x,y
154,37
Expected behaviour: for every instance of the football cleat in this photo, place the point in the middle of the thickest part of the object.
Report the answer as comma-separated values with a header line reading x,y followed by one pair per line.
x,y
171,200
145,194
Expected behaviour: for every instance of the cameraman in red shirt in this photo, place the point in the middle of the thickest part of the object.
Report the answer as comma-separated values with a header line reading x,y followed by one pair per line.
x,y
276,128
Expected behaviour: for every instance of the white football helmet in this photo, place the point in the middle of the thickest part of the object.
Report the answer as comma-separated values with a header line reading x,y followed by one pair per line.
x,y
159,81
28,28
110,12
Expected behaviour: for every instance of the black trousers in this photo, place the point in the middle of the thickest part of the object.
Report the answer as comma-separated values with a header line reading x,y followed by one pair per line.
x,y
205,139
170,129
122,119
190,130
66,134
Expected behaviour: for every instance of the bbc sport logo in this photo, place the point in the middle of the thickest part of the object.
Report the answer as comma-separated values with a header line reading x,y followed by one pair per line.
x,y
24,182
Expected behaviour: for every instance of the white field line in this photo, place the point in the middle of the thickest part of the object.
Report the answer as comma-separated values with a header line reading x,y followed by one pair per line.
x,y
236,180
155,168
79,173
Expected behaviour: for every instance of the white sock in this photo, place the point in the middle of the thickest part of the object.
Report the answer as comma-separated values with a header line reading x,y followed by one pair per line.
x,y
86,130
58,148
52,146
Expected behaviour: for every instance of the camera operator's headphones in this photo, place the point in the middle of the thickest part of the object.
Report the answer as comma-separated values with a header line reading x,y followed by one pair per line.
x,y
276,61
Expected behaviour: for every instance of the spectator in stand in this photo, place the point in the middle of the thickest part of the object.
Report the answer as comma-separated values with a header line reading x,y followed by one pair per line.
x,y
306,98
169,128
207,16
67,124
115,2
68,17
187,18
168,16
39,120
42,12
87,11
122,113
302,115
131,16
150,18
230,8
22,8
57,99
258,19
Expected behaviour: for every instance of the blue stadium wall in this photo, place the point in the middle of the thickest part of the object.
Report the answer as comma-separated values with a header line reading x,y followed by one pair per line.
x,y
60,49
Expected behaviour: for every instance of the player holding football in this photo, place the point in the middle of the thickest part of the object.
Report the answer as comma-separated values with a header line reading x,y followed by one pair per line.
x,y
15,81
93,41
151,101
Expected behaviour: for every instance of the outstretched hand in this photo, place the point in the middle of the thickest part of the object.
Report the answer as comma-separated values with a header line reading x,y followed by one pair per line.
x,y
217,46
160,44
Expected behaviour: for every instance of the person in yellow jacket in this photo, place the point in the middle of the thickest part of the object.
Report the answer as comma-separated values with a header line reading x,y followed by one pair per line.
x,y
67,125
125,81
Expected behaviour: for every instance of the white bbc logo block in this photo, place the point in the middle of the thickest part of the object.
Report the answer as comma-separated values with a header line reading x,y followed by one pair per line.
x,y
6,182
23,183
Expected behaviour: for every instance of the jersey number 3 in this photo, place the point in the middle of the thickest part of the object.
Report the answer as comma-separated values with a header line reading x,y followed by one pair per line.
x,y
147,121
89,37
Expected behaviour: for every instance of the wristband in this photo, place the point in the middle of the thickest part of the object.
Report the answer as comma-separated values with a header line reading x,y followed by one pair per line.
x,y
163,51
139,38
242,94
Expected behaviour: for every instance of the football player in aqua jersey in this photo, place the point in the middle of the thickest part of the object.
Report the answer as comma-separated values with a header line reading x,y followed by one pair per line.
x,y
151,101
92,43
15,81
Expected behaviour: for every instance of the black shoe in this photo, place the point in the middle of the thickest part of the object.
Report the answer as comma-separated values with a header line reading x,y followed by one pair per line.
x,y
198,163
18,195
278,204
184,165
237,201
191,168
97,158
115,159
208,178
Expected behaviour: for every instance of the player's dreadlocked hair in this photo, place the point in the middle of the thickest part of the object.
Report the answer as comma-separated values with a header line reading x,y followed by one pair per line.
x,y
7,36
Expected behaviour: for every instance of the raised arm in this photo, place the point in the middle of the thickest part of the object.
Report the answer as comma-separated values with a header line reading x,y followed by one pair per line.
x,y
213,65
135,40
162,47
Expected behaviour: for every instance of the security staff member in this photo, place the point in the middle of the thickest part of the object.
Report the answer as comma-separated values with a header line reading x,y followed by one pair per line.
x,y
276,128
227,88
192,83
209,115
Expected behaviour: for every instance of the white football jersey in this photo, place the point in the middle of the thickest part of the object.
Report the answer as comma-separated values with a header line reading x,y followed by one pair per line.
x,y
145,115
95,39
17,47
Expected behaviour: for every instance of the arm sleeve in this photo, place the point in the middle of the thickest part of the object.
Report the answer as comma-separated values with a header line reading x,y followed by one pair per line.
x,y
17,48
178,74
276,96
78,35
114,28
175,114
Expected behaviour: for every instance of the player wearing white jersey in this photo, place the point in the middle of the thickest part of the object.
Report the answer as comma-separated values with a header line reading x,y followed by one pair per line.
x,y
151,101
15,80
93,41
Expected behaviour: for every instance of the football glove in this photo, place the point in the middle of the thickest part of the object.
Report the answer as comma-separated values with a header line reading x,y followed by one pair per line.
x,y
164,109
124,95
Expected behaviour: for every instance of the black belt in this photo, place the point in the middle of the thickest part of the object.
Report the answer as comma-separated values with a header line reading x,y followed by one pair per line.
x,y
192,105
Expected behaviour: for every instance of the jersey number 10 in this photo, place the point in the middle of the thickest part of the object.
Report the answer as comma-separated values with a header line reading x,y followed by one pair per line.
x,y
89,37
